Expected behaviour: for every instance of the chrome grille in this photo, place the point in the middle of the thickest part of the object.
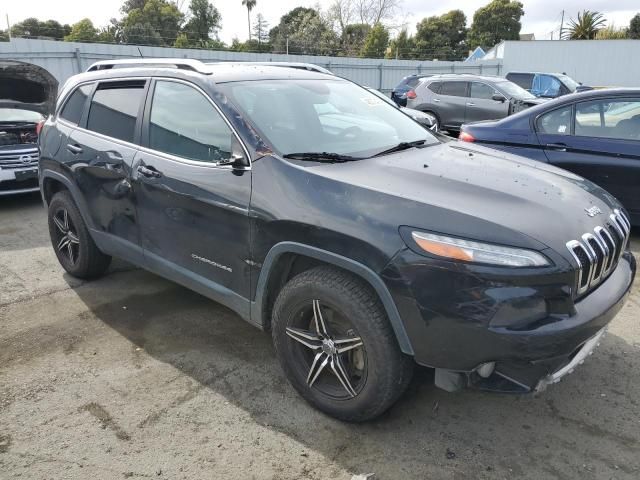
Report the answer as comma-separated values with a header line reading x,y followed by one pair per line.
x,y
24,158
597,253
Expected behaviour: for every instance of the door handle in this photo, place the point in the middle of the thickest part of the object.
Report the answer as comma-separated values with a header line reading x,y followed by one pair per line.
x,y
74,148
149,171
436,100
470,104
558,147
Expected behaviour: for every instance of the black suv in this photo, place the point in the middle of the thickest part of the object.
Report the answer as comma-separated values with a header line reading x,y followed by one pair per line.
x,y
321,213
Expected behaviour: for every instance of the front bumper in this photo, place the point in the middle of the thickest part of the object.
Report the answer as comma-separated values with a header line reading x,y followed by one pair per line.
x,y
449,313
18,180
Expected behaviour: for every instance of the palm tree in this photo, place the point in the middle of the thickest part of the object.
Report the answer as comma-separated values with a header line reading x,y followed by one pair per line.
x,y
586,26
249,4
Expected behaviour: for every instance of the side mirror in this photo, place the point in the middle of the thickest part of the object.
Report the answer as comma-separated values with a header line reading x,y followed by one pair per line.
x,y
498,98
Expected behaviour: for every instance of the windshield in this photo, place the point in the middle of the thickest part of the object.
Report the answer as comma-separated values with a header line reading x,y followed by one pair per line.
x,y
19,115
569,82
514,91
323,116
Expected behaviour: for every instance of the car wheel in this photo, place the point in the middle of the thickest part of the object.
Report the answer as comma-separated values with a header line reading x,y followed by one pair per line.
x,y
336,346
74,247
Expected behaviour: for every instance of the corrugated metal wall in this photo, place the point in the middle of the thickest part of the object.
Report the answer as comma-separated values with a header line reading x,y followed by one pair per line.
x,y
601,63
64,59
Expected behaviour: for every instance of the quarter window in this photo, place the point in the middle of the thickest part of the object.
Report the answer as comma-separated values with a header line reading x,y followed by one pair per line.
x,y
454,89
609,119
114,109
482,91
434,87
72,110
184,123
556,122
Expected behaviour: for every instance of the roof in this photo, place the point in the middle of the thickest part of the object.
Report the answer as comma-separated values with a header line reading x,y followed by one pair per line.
x,y
527,36
467,76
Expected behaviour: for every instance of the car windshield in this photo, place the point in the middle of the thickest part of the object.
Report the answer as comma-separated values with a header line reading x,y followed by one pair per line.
x,y
381,95
514,91
569,82
323,116
19,115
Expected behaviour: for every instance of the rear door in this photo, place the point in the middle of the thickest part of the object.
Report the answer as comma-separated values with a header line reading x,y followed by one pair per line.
x,y
101,151
452,103
601,143
482,106
193,203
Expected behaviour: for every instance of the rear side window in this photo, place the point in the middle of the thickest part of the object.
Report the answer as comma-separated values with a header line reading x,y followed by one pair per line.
x,y
610,118
184,123
72,110
434,87
114,109
523,80
454,89
556,122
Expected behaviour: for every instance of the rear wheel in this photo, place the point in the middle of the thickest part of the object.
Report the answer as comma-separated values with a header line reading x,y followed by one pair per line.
x,y
336,346
71,241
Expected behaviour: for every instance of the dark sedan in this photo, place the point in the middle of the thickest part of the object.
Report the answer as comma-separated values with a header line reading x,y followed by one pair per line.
x,y
595,134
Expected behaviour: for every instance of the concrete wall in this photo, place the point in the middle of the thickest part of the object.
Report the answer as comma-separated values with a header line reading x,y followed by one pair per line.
x,y
603,63
64,59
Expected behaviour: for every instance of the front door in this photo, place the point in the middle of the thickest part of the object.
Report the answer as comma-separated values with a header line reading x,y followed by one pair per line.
x,y
482,106
192,196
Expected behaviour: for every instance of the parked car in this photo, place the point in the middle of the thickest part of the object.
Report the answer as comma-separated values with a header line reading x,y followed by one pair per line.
x,y
399,93
594,134
548,85
457,99
325,216
427,120
27,94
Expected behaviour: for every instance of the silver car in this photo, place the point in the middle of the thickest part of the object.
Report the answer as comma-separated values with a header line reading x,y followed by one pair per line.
x,y
455,99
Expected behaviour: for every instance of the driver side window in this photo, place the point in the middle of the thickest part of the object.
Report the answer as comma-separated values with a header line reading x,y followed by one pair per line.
x,y
185,124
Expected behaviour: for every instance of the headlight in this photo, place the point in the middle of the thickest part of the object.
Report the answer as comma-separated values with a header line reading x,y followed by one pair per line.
x,y
476,252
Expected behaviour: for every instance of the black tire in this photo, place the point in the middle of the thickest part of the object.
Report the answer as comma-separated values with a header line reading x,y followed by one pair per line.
x,y
378,371
78,254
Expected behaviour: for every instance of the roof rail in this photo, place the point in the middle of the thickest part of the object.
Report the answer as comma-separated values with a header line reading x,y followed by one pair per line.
x,y
180,63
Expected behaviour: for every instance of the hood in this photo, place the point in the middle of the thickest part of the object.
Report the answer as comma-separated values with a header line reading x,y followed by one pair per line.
x,y
480,194
27,86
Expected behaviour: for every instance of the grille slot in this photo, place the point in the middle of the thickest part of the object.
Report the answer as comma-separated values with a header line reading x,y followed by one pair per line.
x,y
597,253
11,159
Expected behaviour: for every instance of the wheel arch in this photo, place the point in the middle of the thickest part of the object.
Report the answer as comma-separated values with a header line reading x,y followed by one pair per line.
x,y
53,182
281,261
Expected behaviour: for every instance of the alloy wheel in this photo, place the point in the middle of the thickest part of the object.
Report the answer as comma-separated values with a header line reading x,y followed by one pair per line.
x,y
331,354
67,240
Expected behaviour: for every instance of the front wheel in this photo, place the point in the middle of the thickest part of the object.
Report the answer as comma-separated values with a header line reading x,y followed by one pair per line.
x,y
336,346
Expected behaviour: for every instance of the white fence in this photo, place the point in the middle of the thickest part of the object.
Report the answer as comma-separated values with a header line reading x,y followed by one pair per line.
x,y
64,59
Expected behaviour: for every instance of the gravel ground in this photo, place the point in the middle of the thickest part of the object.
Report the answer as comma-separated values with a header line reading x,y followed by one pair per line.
x,y
134,376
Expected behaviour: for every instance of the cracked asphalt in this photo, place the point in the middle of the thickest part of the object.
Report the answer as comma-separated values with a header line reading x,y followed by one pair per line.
x,y
133,376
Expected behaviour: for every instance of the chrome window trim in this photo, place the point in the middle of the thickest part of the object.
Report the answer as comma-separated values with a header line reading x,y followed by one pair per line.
x,y
199,163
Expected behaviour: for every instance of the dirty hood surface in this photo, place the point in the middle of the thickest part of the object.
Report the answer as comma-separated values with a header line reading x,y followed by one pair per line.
x,y
27,86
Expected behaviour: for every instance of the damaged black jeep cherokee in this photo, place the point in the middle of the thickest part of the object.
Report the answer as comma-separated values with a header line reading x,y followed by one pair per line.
x,y
322,214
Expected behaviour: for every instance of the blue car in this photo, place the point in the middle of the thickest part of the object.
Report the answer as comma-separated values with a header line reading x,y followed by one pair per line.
x,y
594,134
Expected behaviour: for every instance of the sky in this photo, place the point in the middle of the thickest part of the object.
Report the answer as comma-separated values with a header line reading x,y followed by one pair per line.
x,y
541,16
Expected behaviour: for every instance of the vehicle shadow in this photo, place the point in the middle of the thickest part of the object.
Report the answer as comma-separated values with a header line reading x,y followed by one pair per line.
x,y
585,427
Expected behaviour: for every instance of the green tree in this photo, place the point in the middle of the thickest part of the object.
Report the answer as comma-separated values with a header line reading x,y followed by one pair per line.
x,y
82,31
182,41
634,27
402,47
497,21
307,33
261,33
4,36
586,26
249,4
612,32
442,37
353,38
158,22
32,27
375,46
204,21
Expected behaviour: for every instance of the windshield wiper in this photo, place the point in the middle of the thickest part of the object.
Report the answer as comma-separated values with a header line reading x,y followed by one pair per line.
x,y
326,157
402,146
